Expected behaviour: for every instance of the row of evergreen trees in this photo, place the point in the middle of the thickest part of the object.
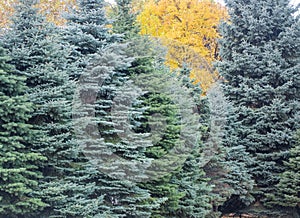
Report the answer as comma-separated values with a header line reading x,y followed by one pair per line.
x,y
60,90
94,125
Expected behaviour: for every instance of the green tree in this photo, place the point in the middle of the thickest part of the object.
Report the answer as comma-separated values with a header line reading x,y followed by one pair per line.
x,y
87,30
162,120
227,161
104,133
41,56
104,72
260,58
124,19
19,159
237,178
183,190
121,147
288,190
192,180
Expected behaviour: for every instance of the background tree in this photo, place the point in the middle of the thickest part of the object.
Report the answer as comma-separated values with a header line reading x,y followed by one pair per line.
x,y
52,9
239,182
6,11
189,30
19,159
166,201
224,160
173,185
214,154
260,58
161,120
124,19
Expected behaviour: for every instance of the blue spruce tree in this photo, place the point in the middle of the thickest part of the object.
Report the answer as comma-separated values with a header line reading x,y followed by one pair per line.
x,y
288,189
41,56
104,71
260,66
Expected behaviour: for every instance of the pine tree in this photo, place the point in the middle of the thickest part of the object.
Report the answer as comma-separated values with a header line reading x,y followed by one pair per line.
x,y
134,152
260,58
141,48
172,186
237,178
104,134
19,159
227,175
132,177
87,29
105,71
288,188
183,184
124,19
192,178
40,55
89,21
193,183
162,120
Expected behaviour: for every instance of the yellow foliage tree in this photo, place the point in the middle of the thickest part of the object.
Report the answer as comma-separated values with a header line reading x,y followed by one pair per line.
x,y
6,10
189,29
53,10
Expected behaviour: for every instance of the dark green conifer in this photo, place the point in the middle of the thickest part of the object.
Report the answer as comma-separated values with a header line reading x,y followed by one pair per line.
x,y
19,160
124,19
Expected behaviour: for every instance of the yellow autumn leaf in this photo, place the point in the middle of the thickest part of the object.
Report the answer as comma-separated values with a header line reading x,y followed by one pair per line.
x,y
189,29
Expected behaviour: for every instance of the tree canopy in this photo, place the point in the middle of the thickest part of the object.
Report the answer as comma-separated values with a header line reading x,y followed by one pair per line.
x,y
189,29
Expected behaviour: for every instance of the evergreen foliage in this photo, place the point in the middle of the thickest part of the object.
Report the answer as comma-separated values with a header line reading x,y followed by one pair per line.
x,y
100,90
40,55
288,188
19,160
161,119
214,154
125,19
155,114
183,137
163,115
260,66
237,162
90,23
105,135
192,180
87,30
94,125
132,148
